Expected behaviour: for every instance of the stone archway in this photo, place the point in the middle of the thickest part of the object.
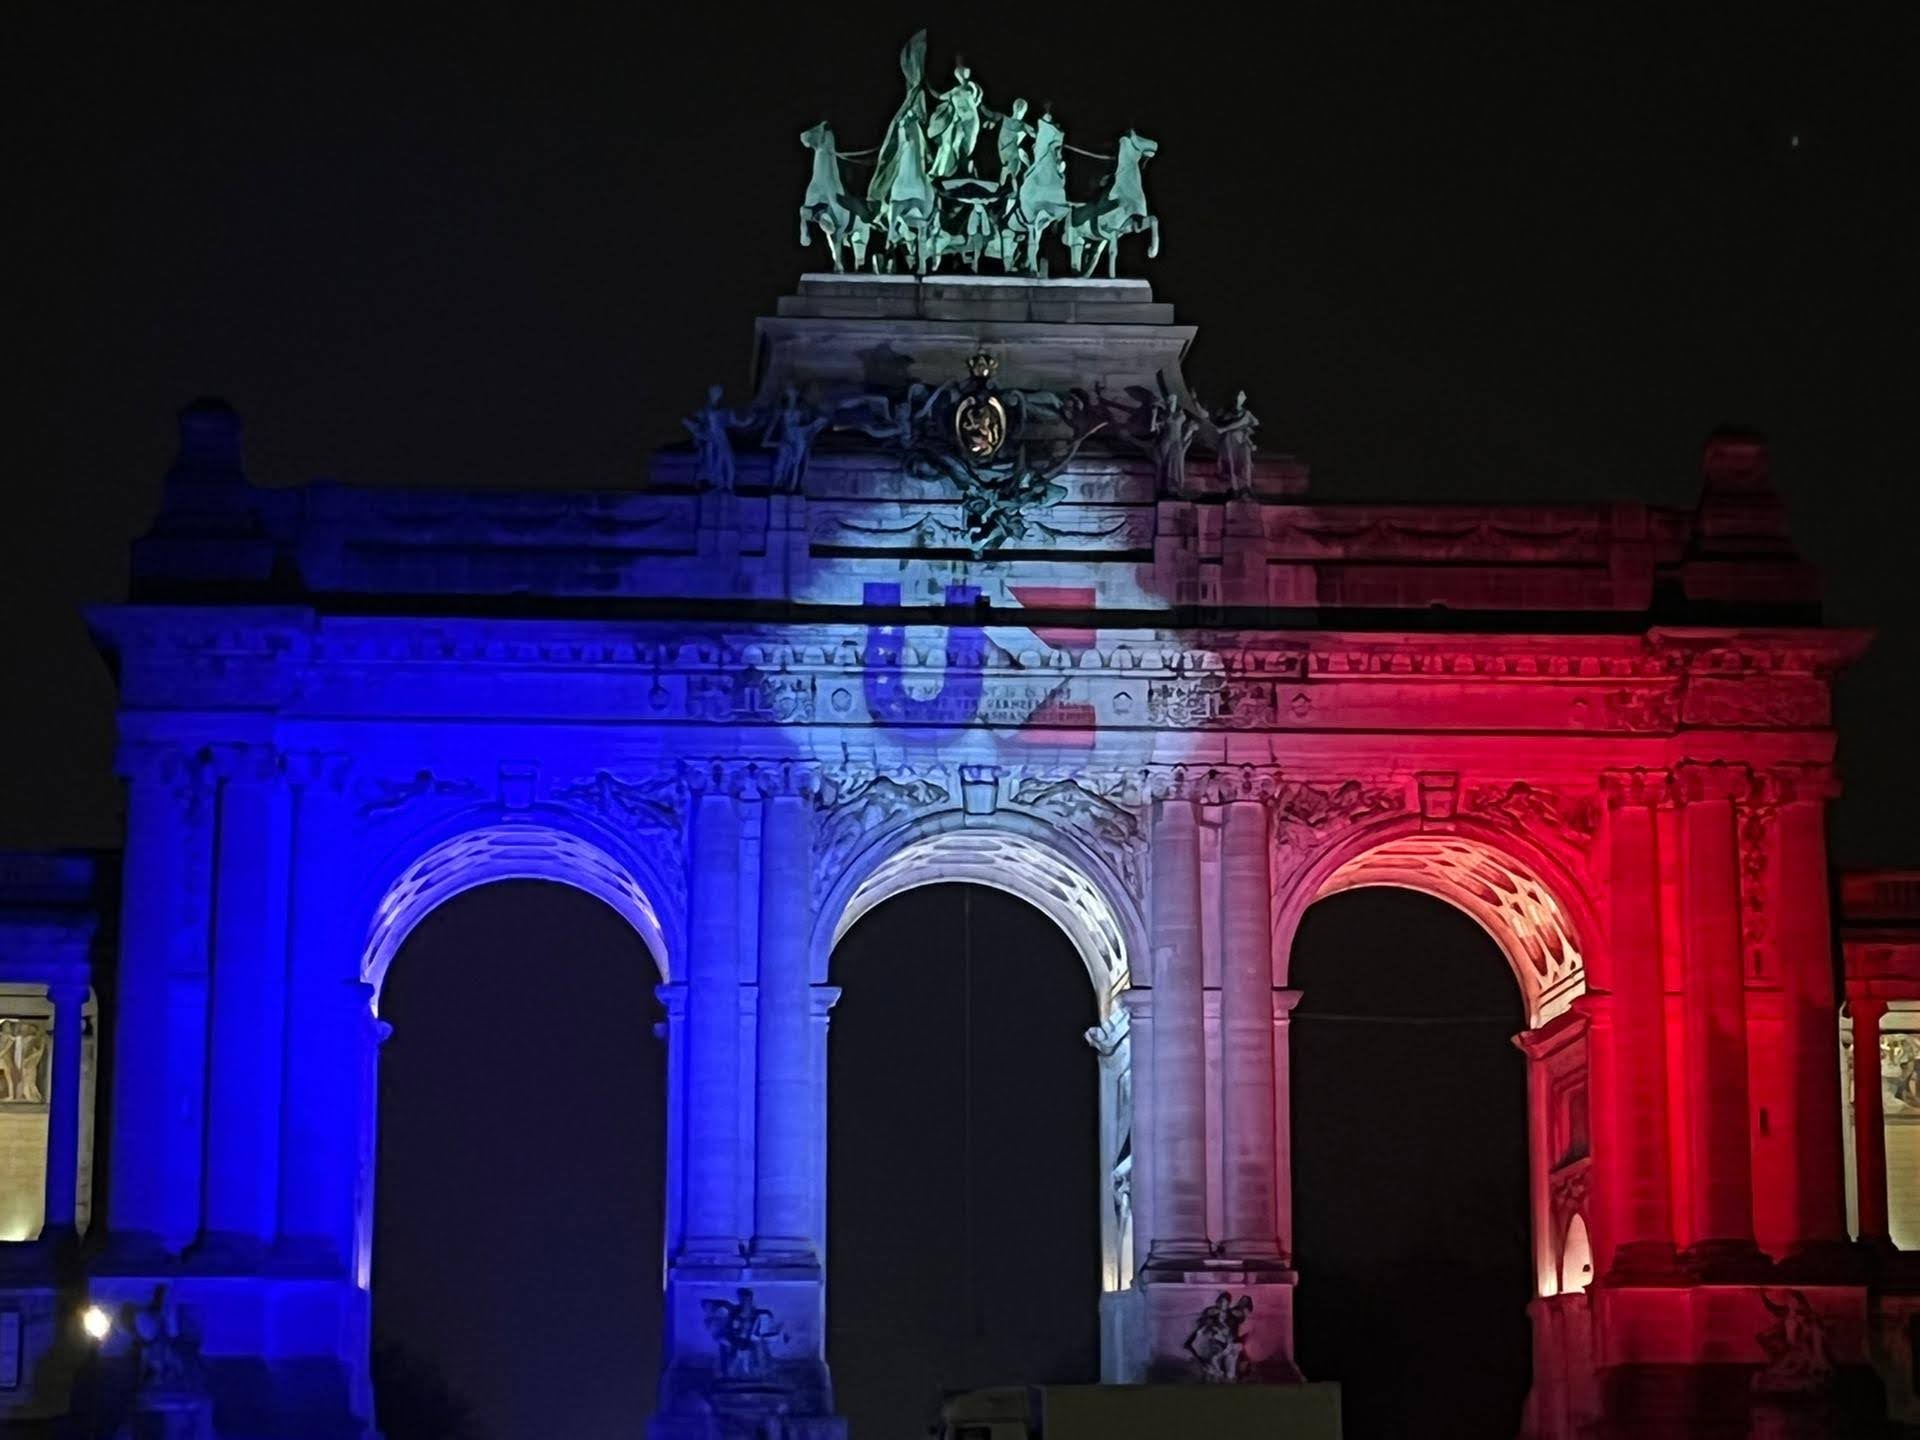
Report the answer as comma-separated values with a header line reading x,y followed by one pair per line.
x,y
1050,870
1537,913
484,851
470,851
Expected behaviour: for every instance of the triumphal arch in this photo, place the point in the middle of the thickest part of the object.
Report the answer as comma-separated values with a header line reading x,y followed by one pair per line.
x,y
972,586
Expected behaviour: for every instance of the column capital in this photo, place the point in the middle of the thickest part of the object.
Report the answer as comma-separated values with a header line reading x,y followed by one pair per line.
x,y
823,998
1137,1000
673,998
1862,1007
1107,1037
160,762
1708,780
1283,1003
1637,787
749,780
318,770
244,762
1813,784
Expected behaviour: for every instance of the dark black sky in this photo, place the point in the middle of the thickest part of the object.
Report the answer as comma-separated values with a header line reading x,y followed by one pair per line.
x,y
1529,250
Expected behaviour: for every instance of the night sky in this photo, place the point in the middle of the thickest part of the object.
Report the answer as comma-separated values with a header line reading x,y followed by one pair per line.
x,y
1530,252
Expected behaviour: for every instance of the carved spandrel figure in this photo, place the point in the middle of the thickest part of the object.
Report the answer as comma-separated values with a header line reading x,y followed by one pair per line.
x,y
711,427
897,422
789,435
1233,431
954,127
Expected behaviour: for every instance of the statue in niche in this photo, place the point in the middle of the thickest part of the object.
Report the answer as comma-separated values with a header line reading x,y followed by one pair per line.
x,y
1233,442
711,427
23,1052
1218,1349
789,435
743,1335
1799,1358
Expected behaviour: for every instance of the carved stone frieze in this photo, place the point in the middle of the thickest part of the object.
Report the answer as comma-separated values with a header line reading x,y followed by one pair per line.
x,y
1571,819
1779,702
1208,700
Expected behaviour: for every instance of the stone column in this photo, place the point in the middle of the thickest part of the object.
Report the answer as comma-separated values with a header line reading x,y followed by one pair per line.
x,y
712,1097
326,1008
1869,1123
820,1002
1283,1003
1139,1003
785,1097
1640,1192
1246,1028
63,1107
1179,1044
1804,937
248,1001
1716,1023
159,1023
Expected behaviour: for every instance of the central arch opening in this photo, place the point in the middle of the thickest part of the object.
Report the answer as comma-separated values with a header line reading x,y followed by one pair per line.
x,y
1410,1167
964,1155
521,1162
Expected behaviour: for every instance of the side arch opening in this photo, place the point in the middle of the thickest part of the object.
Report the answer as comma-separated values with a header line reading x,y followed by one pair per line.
x,y
1444,1105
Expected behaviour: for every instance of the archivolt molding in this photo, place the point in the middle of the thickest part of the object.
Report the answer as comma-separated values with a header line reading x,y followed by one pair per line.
x,y
1015,854
1506,896
518,848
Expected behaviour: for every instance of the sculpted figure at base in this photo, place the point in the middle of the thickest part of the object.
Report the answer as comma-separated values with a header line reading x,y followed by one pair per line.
x,y
743,1333
1799,1360
1219,1353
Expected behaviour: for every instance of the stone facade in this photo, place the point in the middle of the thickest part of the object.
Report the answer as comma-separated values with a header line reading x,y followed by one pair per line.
x,y
1170,718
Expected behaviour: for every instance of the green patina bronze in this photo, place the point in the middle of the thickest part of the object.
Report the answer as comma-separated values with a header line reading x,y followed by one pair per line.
x,y
926,200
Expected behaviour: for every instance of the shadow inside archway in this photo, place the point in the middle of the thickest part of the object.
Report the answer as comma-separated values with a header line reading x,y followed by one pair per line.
x,y
522,1155
963,1228
1411,1226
